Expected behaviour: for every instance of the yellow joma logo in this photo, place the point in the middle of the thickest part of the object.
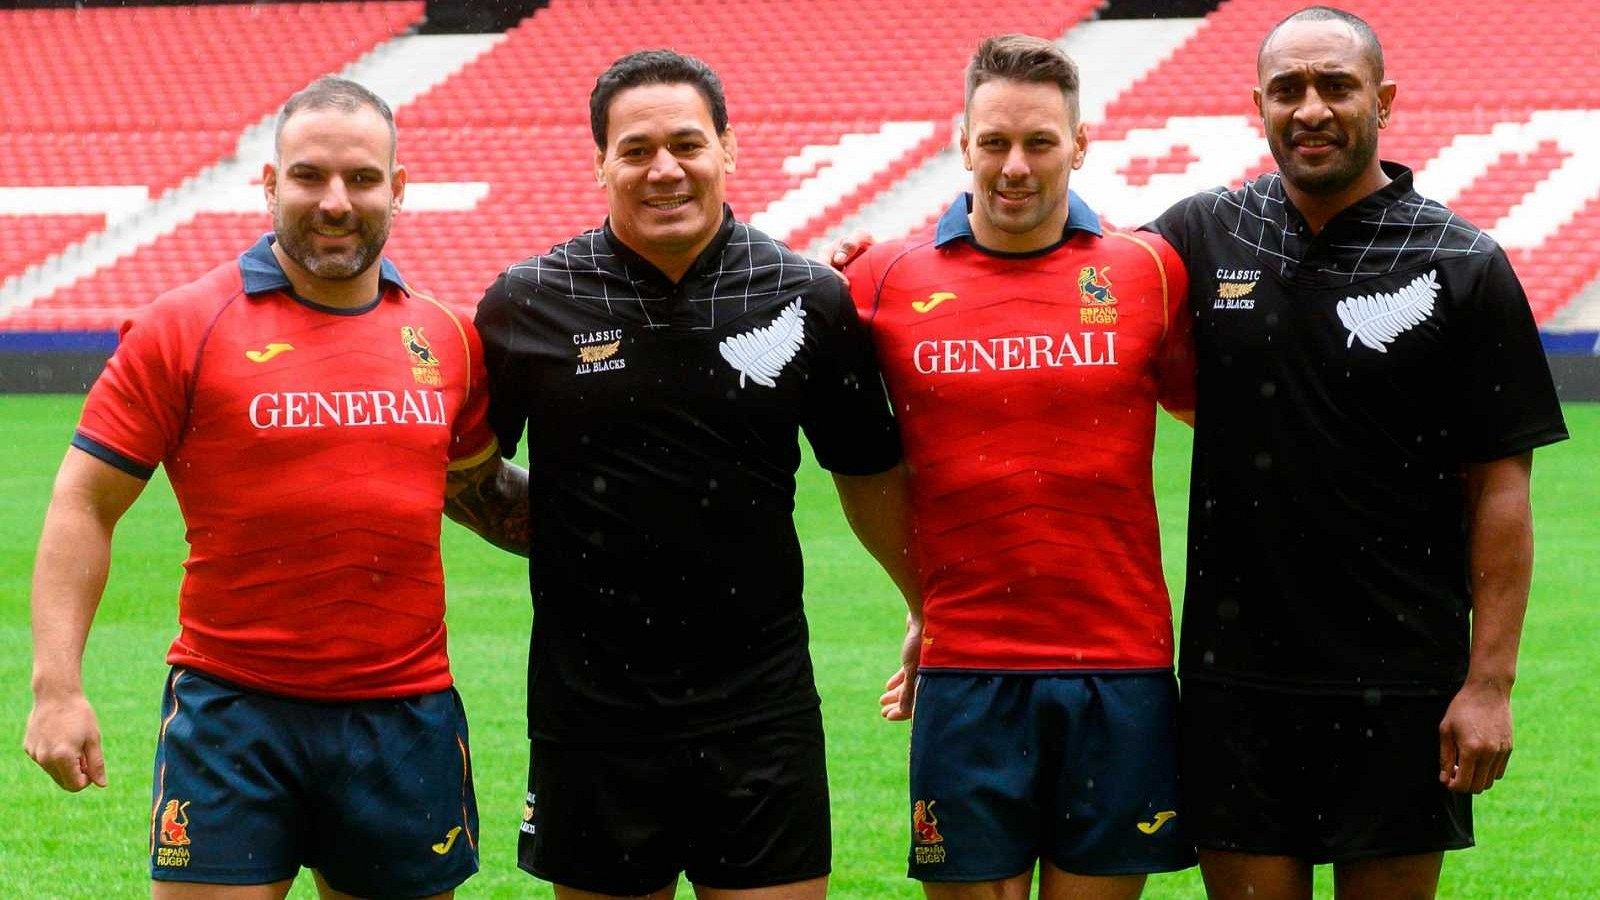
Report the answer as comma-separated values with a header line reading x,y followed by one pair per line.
x,y
933,300
273,349
449,841
1162,818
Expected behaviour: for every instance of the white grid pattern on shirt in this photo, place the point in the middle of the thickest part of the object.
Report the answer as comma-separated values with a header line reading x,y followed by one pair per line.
x,y
1387,244
584,269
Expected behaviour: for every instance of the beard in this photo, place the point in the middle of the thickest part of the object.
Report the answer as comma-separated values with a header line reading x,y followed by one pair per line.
x,y
1351,158
297,240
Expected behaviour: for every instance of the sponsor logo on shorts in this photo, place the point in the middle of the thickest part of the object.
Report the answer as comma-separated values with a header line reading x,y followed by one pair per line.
x,y
1094,290
449,841
424,363
934,299
597,351
273,349
1161,819
172,836
927,844
527,815
1234,287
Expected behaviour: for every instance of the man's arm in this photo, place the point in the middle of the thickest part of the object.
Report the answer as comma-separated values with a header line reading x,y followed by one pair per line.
x,y
491,499
1475,736
878,510
69,576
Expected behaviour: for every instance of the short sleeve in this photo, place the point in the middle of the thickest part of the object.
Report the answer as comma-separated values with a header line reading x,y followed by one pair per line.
x,y
847,417
471,440
1175,362
134,413
1508,402
507,402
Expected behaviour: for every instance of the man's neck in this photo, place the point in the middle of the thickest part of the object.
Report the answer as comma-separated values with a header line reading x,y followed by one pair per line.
x,y
340,293
1319,209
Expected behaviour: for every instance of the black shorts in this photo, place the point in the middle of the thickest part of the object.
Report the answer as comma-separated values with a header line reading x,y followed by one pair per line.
x,y
1322,778
740,809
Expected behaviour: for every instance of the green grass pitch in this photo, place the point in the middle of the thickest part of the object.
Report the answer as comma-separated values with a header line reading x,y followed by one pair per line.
x,y
1537,831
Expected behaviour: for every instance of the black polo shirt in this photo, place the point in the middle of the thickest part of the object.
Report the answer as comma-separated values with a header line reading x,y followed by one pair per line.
x,y
662,424
1345,380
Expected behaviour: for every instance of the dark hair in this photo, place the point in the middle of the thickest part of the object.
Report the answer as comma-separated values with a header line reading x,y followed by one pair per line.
x,y
1364,33
1023,57
655,67
333,92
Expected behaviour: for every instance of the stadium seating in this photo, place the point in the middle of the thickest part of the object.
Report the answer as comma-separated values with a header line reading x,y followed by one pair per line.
x,y
1462,68
801,78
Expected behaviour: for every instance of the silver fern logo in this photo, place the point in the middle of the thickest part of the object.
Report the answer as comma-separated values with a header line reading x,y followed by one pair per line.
x,y
1378,319
761,353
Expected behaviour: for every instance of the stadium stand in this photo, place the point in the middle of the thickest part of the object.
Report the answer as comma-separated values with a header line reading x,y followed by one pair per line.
x,y
831,109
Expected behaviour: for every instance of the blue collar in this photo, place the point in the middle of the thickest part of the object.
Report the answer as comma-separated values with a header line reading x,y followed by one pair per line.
x,y
953,225
262,274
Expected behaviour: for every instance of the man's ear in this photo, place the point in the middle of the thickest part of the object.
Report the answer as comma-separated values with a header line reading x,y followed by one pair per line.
x,y
269,186
730,149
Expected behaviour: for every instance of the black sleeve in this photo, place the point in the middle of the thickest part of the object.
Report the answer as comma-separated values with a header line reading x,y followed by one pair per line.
x,y
1507,403
497,322
847,417
1173,225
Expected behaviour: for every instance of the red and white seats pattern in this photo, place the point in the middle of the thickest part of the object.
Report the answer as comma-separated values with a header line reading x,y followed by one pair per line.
x,y
804,78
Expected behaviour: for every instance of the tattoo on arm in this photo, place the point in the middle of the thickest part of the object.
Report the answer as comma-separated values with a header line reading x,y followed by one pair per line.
x,y
492,500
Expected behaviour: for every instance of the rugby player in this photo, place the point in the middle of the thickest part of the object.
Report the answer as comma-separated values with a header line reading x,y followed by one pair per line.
x,y
1026,348
1371,389
663,366
307,406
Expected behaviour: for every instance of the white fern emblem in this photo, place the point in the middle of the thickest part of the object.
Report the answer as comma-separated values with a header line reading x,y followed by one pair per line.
x,y
1377,319
761,353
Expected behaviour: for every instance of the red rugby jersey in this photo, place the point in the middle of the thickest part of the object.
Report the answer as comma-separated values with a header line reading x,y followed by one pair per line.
x,y
307,448
1026,386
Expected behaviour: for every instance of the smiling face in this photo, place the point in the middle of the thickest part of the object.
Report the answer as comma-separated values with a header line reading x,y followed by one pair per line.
x,y
333,193
664,168
1322,104
1021,144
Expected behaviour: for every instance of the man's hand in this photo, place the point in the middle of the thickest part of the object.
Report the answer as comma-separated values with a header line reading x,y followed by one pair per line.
x,y
1475,737
899,698
842,252
64,739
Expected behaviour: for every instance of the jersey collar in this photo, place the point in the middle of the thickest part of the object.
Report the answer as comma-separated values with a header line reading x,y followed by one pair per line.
x,y
1398,188
953,225
262,274
709,258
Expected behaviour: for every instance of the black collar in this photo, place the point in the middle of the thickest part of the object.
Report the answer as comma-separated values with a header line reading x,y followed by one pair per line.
x,y
641,271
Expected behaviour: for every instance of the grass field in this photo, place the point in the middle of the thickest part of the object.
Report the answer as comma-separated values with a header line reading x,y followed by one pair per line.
x,y
1538,830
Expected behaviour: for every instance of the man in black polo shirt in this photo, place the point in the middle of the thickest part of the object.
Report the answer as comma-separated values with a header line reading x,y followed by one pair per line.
x,y
1370,392
663,366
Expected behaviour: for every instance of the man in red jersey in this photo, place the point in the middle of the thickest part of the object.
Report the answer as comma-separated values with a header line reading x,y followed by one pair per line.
x,y
310,411
1025,349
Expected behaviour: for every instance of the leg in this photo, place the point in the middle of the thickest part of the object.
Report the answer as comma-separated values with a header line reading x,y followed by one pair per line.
x,y
1254,876
1058,884
1399,877
1013,888
190,890
568,893
328,893
811,889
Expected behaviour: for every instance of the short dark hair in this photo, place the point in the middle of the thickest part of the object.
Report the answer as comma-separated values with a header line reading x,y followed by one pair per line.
x,y
1364,33
333,92
1023,57
655,67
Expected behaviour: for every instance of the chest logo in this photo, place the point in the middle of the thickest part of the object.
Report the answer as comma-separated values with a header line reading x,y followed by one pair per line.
x,y
597,351
934,299
761,353
1377,319
424,364
1094,291
1234,287
273,349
